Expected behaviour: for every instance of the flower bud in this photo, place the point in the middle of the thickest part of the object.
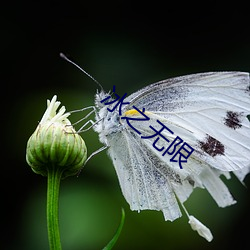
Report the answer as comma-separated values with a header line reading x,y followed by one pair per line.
x,y
55,144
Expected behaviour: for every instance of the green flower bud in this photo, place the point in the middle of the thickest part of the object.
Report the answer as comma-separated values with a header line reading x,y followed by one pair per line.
x,y
55,144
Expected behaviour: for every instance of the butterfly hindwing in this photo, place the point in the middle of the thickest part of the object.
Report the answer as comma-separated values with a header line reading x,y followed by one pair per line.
x,y
139,173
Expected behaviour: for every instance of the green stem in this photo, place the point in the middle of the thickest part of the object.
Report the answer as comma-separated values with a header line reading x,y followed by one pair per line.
x,y
54,177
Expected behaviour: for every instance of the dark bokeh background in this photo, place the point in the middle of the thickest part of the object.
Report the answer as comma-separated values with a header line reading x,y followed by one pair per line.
x,y
122,43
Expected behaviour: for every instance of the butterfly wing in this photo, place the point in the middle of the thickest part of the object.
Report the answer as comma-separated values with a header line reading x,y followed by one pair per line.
x,y
213,107
143,186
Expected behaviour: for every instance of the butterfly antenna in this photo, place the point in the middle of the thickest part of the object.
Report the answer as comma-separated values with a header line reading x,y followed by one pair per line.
x,y
90,76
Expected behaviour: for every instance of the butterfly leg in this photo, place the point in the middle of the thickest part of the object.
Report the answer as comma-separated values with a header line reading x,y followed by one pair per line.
x,y
86,116
81,129
95,152
92,154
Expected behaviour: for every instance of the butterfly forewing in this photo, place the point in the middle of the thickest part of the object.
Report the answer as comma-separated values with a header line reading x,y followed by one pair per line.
x,y
209,110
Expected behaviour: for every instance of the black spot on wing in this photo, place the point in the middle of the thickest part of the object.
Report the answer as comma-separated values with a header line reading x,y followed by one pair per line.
x,y
248,117
233,119
212,146
191,181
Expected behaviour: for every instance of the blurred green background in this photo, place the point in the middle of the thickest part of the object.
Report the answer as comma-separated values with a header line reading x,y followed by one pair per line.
x,y
123,44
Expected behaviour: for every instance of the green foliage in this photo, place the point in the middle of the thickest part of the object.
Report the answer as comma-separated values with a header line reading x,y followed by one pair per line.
x,y
117,234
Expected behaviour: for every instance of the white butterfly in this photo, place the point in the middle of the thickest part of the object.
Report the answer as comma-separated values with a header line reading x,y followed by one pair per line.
x,y
208,111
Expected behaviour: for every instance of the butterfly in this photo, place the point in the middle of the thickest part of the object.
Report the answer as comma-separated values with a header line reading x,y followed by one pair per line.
x,y
143,132
207,110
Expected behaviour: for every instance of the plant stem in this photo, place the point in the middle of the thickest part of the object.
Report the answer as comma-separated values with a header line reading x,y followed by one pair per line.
x,y
54,177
